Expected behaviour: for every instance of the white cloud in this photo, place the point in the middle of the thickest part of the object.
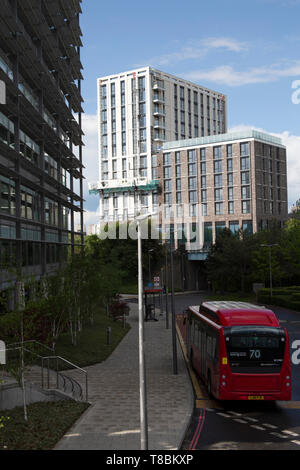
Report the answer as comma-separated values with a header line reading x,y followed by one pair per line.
x,y
226,75
90,172
90,150
292,144
225,43
197,50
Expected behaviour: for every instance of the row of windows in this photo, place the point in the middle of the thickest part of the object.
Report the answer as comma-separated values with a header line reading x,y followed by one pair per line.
x,y
267,163
115,174
220,207
217,112
205,339
33,98
30,150
189,232
104,138
31,253
192,180
31,204
124,197
31,233
217,164
217,153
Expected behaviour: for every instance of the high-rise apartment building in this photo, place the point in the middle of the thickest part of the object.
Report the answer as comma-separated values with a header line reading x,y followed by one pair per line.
x,y
138,111
40,133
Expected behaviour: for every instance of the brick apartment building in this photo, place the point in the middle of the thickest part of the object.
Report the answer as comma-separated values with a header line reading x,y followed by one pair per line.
x,y
233,180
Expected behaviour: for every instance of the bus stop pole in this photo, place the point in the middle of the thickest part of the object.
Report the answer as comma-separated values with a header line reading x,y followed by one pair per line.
x,y
166,285
174,338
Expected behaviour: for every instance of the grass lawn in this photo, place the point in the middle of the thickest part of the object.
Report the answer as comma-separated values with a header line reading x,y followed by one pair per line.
x,y
47,423
129,288
92,346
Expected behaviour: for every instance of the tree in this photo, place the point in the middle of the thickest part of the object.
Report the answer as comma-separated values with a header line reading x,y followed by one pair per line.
x,y
290,250
228,261
122,253
296,210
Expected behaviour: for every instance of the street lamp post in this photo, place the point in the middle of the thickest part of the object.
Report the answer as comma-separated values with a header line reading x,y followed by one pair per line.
x,y
270,264
142,372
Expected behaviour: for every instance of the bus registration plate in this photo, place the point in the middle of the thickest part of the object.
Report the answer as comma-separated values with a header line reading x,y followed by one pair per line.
x,y
256,397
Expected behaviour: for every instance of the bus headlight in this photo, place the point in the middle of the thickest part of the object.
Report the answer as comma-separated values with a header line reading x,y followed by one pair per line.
x,y
287,384
224,384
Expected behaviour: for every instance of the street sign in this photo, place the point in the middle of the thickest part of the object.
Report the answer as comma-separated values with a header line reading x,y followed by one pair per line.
x,y
2,352
156,280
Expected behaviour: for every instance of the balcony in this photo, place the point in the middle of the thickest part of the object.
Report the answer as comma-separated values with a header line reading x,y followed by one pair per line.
x,y
158,112
159,138
158,99
158,86
159,125
120,185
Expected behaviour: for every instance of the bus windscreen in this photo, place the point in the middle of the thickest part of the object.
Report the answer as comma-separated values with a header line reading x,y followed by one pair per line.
x,y
255,349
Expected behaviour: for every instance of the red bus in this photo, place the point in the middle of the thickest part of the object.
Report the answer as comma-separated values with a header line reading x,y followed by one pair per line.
x,y
239,350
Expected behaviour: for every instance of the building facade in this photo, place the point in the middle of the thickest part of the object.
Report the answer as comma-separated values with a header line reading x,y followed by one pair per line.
x,y
138,111
234,180
40,134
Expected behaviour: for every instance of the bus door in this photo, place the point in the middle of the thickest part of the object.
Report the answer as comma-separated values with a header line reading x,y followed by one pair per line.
x,y
203,351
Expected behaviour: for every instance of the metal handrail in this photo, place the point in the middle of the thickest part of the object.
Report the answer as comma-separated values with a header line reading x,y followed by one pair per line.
x,y
48,358
33,341
73,365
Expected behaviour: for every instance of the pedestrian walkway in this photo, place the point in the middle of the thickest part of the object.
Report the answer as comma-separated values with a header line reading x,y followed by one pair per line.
x,y
112,422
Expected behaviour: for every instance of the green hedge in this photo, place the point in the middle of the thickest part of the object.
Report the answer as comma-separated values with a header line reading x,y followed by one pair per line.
x,y
288,297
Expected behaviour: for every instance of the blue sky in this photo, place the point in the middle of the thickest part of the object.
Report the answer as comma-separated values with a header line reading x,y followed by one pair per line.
x,y
247,50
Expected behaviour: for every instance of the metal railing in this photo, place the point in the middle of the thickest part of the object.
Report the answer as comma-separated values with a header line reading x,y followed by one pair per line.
x,y
73,384
65,361
33,341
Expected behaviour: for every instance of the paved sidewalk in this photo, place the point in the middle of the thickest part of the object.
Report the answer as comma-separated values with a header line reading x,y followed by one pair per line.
x,y
112,422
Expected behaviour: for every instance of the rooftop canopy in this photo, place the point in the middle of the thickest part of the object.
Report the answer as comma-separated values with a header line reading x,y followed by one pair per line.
x,y
219,138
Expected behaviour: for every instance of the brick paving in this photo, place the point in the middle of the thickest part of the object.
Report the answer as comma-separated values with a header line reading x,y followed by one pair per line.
x,y
112,422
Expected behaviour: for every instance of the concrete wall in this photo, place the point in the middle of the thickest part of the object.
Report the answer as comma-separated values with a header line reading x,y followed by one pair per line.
x,y
11,395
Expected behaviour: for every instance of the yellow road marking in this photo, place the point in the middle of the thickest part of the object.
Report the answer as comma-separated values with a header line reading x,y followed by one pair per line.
x,y
289,404
208,404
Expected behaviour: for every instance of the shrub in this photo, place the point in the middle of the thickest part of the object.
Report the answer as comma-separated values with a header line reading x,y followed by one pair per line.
x,y
10,327
36,325
293,288
118,308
